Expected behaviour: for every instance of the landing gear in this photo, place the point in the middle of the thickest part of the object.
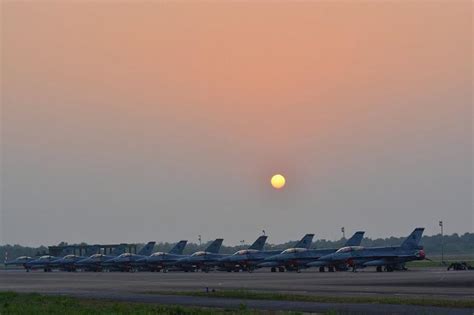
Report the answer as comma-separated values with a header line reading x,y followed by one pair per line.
x,y
379,268
331,269
281,269
389,268
273,269
321,269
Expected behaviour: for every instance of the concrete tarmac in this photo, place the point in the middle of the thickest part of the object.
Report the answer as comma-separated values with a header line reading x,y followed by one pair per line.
x,y
145,287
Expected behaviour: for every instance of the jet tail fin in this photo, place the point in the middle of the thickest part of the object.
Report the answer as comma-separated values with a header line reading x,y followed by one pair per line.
x,y
178,248
119,250
215,246
413,239
147,249
305,242
356,239
259,243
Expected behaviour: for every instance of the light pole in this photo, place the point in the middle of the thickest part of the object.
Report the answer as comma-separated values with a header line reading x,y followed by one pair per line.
x,y
442,242
343,233
199,238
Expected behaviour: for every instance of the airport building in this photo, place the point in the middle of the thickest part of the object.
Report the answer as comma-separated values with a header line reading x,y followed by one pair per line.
x,y
80,250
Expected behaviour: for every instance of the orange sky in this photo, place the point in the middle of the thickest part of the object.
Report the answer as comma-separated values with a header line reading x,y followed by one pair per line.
x,y
217,96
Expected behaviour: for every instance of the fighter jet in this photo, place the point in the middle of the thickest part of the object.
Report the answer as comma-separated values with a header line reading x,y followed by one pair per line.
x,y
46,262
42,262
202,260
96,261
163,261
68,262
295,259
127,261
390,257
303,244
20,261
247,259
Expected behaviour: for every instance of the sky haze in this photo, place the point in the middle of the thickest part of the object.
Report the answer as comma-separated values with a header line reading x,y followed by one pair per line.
x,y
136,121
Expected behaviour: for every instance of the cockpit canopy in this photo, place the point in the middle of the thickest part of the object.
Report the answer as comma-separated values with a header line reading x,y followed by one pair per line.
x,y
97,255
158,254
245,251
70,256
199,254
125,255
46,257
294,250
349,249
23,257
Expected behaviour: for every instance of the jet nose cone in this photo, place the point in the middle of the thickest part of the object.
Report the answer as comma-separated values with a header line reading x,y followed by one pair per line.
x,y
327,257
225,259
82,261
183,260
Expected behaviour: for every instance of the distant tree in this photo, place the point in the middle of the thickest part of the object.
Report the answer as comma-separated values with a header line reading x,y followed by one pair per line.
x,y
454,244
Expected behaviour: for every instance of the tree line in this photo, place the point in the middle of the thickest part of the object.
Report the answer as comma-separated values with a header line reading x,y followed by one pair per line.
x,y
453,244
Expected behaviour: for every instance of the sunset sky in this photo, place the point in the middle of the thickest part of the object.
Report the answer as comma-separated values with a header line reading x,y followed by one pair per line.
x,y
135,121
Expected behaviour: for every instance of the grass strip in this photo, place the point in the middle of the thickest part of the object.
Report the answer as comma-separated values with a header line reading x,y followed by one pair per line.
x,y
254,295
12,303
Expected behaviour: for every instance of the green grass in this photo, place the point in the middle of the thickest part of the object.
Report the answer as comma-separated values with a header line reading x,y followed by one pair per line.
x,y
31,303
253,295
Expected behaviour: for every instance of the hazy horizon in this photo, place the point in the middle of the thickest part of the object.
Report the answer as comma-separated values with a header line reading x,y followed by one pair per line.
x,y
129,122
247,241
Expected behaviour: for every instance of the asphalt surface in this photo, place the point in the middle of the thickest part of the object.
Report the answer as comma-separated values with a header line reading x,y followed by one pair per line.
x,y
145,287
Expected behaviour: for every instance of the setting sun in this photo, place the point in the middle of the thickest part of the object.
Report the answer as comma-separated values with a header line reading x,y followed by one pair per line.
x,y
278,181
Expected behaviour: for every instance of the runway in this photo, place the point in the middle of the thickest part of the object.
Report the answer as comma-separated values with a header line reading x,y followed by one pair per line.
x,y
145,286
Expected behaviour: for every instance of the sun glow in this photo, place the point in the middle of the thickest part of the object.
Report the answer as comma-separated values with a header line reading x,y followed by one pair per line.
x,y
278,181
